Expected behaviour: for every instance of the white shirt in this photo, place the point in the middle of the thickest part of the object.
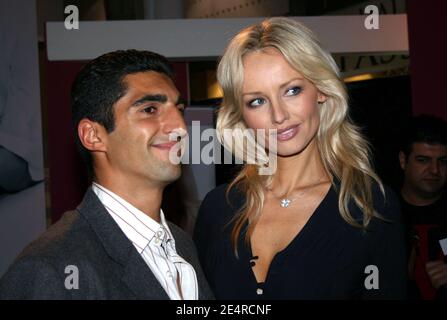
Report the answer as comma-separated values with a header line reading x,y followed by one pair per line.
x,y
155,243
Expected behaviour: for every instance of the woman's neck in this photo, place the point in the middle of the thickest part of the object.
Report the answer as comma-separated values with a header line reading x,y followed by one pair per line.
x,y
303,169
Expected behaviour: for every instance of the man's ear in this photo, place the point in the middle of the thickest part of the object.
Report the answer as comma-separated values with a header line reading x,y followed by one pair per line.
x,y
402,160
93,136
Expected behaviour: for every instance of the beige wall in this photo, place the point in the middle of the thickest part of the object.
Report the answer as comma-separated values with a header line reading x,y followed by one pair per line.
x,y
235,8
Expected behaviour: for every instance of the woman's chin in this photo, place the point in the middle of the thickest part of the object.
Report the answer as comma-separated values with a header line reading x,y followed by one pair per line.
x,y
290,150
289,153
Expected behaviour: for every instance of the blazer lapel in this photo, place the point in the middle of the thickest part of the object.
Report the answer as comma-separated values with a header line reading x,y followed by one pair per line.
x,y
182,251
186,250
139,278
136,273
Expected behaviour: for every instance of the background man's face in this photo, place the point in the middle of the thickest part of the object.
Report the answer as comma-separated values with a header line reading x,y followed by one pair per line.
x,y
425,168
139,145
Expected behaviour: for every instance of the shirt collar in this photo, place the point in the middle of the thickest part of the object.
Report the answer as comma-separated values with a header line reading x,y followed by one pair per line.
x,y
138,227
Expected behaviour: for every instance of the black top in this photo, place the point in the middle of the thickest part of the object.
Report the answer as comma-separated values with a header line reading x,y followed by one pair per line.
x,y
427,223
328,259
430,214
425,226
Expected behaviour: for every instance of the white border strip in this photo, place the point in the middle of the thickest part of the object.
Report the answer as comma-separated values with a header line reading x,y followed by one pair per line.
x,y
202,38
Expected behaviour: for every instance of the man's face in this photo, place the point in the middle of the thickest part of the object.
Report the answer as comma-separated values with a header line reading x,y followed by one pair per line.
x,y
425,168
139,146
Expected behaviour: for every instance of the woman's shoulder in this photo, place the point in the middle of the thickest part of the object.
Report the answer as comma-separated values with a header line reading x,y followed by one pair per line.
x,y
223,196
385,204
219,200
217,193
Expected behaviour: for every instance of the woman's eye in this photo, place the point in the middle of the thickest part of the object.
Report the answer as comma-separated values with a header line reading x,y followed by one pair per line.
x,y
149,110
293,91
256,102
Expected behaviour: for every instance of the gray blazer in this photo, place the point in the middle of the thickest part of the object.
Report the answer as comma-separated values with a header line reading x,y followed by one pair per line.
x,y
108,265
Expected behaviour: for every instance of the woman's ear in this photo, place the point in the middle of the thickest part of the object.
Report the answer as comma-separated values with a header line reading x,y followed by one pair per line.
x,y
321,98
93,136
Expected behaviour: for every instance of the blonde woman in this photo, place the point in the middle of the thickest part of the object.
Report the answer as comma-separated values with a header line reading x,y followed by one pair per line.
x,y
322,225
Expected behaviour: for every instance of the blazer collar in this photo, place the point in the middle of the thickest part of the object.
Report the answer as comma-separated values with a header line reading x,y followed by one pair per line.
x,y
136,273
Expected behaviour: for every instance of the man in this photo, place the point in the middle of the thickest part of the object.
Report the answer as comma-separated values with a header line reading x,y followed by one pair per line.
x,y
117,244
423,159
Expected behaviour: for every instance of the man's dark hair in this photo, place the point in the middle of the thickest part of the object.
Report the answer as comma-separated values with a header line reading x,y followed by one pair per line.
x,y
426,129
100,84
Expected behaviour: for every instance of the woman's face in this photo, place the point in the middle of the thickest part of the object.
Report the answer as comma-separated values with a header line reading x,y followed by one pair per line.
x,y
276,96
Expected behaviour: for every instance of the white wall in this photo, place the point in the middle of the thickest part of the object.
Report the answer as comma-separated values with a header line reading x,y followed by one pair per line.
x,y
201,38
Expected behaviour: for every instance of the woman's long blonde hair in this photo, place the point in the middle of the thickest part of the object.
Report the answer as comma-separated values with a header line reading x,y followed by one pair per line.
x,y
344,151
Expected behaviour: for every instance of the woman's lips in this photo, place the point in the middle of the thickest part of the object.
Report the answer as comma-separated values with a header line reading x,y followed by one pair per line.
x,y
287,133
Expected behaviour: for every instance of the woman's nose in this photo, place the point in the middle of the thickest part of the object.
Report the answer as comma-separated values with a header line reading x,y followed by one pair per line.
x,y
279,112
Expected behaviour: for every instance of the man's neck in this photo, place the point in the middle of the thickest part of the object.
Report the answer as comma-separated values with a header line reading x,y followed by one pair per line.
x,y
144,197
416,199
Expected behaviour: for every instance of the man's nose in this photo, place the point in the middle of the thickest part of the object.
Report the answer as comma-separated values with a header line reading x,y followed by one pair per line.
x,y
174,120
434,167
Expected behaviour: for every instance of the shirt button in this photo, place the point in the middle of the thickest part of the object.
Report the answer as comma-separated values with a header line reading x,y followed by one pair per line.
x,y
259,291
169,273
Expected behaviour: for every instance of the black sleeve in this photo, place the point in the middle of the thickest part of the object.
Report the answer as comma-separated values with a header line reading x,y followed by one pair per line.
x,y
33,278
203,233
387,250
212,219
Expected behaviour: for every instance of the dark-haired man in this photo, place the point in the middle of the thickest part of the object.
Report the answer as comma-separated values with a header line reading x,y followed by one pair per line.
x,y
127,116
423,159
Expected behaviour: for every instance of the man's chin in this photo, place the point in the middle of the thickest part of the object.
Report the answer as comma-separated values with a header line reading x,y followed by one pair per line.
x,y
430,190
162,167
170,172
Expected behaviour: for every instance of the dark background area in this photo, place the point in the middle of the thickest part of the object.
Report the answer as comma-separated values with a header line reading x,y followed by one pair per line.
x,y
382,107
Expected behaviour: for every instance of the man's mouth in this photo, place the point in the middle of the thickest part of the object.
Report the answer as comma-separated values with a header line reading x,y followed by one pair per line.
x,y
165,145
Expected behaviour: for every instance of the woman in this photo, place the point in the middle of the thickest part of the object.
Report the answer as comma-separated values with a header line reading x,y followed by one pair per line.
x,y
322,226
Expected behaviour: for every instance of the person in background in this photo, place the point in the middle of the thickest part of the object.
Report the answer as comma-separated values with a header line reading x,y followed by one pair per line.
x,y
423,159
322,226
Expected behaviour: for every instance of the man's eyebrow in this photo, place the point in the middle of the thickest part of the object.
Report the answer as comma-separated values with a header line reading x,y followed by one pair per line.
x,y
422,156
151,98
